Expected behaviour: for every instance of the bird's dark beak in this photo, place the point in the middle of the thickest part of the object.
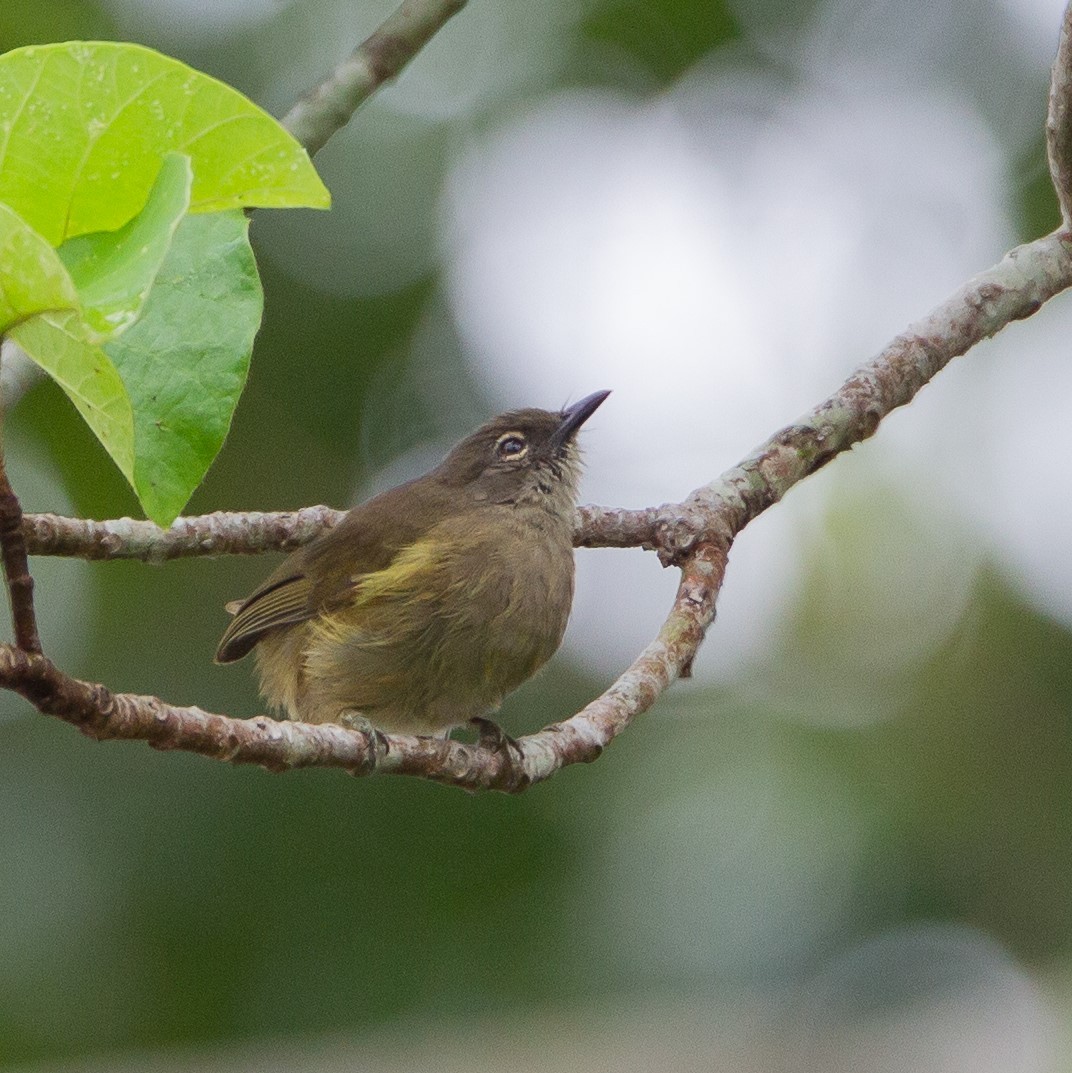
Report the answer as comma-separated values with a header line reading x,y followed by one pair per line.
x,y
575,416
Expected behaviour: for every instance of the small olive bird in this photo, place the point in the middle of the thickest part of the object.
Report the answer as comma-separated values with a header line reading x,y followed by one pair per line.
x,y
427,604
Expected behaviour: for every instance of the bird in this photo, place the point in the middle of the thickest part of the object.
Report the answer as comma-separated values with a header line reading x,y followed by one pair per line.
x,y
429,603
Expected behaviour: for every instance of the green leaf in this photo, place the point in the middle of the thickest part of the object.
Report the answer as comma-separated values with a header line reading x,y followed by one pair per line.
x,y
90,380
114,270
32,278
184,363
161,397
84,127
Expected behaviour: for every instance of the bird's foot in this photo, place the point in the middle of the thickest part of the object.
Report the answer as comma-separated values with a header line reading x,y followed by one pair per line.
x,y
492,736
363,725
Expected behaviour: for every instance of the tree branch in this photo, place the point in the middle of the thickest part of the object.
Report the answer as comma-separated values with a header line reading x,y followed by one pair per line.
x,y
16,568
328,107
256,532
222,533
1013,289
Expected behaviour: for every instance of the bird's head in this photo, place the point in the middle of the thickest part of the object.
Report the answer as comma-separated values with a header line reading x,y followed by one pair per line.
x,y
523,456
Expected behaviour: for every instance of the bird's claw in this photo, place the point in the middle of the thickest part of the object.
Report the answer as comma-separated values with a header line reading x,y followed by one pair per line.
x,y
492,736
362,725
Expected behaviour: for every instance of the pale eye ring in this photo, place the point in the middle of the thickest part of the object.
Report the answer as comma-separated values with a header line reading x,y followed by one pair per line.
x,y
511,446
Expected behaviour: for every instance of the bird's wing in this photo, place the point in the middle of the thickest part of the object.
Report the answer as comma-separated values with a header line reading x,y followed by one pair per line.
x,y
279,602
366,540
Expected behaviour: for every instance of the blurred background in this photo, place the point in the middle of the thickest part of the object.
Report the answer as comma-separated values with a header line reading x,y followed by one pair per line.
x,y
846,844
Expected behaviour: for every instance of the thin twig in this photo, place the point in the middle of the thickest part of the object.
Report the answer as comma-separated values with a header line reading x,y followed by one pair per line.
x,y
328,107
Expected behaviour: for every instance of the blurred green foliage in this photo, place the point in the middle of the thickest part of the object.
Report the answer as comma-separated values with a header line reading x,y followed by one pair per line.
x,y
666,36
1039,211
23,22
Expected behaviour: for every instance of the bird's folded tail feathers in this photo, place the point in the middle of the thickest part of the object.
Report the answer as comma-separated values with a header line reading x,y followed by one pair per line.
x,y
283,602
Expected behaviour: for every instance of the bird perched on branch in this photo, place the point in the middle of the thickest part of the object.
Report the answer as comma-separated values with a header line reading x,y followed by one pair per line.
x,y
429,603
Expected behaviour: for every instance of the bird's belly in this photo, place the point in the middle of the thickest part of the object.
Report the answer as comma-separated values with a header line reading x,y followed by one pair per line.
x,y
423,652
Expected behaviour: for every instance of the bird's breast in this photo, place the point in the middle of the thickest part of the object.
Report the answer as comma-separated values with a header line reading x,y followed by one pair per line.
x,y
518,583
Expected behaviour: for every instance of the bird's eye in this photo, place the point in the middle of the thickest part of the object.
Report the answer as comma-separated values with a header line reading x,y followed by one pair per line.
x,y
511,446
